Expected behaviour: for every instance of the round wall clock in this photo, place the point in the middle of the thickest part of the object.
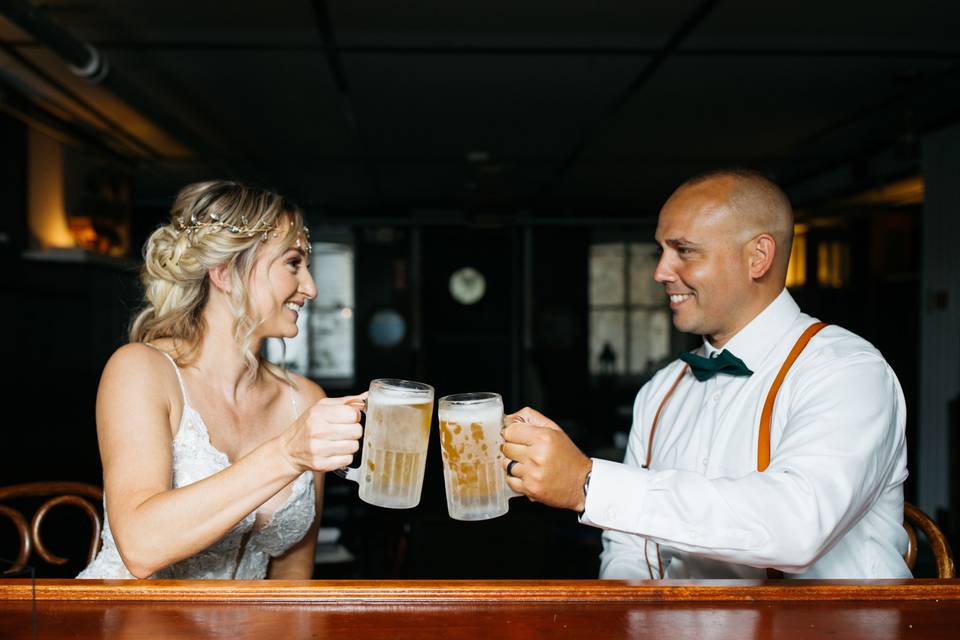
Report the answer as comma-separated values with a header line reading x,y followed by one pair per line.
x,y
467,285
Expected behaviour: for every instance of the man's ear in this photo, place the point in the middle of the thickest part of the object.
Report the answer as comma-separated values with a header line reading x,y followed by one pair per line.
x,y
763,250
220,278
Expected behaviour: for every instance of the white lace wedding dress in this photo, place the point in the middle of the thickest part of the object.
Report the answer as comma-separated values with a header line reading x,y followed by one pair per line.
x,y
243,553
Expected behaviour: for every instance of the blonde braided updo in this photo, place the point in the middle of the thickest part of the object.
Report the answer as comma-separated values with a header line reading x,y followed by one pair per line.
x,y
211,224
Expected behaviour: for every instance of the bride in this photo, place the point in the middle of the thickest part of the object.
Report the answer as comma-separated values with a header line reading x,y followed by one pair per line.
x,y
213,458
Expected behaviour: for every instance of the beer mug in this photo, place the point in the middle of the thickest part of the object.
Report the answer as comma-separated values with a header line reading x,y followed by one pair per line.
x,y
470,439
395,441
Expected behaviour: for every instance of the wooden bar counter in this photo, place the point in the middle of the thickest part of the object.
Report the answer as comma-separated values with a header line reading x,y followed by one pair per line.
x,y
503,609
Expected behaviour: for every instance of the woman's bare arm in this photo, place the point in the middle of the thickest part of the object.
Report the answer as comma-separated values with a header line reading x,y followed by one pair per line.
x,y
298,561
154,525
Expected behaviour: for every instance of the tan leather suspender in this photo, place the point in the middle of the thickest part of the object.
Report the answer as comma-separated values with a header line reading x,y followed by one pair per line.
x,y
763,440
656,418
766,416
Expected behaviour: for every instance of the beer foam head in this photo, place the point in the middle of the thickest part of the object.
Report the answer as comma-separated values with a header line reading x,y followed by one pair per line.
x,y
388,394
488,414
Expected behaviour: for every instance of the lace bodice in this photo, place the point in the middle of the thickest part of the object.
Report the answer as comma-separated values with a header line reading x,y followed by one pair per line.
x,y
243,553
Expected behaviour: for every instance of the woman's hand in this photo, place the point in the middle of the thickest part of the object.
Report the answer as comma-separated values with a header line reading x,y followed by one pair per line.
x,y
325,436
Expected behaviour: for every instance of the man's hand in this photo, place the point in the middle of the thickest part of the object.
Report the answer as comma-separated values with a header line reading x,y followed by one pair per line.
x,y
550,468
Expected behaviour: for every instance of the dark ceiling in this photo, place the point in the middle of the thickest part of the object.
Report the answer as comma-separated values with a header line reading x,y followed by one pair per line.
x,y
551,107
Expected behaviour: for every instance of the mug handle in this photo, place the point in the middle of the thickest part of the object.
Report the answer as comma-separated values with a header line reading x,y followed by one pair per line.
x,y
352,473
507,491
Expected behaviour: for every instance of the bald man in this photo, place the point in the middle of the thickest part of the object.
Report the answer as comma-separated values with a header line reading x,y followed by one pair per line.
x,y
776,448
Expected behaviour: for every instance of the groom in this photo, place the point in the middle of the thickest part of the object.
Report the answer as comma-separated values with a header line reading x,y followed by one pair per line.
x,y
776,448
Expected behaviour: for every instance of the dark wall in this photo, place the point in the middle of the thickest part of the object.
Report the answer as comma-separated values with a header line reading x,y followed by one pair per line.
x,y
480,347
66,321
471,347
460,348
881,299
13,185
385,280
556,377
62,320
13,221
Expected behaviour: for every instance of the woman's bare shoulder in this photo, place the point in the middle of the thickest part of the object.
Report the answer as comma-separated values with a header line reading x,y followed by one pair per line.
x,y
138,365
136,354
308,390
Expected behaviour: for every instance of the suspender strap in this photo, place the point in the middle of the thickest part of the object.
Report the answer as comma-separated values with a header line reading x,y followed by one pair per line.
x,y
653,430
766,416
763,441
656,418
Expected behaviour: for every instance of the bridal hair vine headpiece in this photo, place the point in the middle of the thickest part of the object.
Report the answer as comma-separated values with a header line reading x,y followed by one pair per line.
x,y
246,229
217,224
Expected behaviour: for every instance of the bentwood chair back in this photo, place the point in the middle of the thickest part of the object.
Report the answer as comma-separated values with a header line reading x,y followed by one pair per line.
x,y
913,519
78,494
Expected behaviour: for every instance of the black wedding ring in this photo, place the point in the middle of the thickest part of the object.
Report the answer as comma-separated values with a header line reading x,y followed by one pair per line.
x,y
510,468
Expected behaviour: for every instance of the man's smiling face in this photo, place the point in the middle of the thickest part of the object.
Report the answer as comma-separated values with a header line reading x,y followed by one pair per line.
x,y
704,266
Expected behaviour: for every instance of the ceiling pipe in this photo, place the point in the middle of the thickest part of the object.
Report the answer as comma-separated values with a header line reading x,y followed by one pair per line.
x,y
88,63
20,105
121,134
83,59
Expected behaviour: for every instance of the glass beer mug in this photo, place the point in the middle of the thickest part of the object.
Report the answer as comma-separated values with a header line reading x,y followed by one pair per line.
x,y
473,473
395,441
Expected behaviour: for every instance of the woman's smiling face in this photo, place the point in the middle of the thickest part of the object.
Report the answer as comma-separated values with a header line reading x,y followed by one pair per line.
x,y
280,285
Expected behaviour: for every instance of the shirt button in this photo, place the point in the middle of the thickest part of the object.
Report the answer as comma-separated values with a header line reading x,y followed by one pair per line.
x,y
611,513
716,397
704,462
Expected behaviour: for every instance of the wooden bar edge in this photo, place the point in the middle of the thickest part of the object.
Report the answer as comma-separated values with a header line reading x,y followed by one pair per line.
x,y
478,591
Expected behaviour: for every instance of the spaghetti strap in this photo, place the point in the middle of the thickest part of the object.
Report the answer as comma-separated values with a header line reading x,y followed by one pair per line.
x,y
183,388
293,396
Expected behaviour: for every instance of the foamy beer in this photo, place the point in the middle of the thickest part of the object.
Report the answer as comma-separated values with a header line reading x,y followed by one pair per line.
x,y
395,440
470,439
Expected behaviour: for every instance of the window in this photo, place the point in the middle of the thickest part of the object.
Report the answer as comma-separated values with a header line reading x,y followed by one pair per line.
x,y
323,348
629,319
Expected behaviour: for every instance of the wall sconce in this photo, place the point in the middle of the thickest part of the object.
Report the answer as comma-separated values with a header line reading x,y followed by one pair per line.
x,y
833,264
797,268
47,216
73,214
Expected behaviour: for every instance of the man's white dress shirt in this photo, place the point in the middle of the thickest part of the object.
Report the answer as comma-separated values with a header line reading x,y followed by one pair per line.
x,y
830,505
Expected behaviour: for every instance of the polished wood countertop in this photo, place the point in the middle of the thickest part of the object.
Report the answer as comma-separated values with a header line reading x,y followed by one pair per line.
x,y
700,610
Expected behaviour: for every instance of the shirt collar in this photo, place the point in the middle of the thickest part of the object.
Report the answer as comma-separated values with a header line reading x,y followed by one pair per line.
x,y
752,343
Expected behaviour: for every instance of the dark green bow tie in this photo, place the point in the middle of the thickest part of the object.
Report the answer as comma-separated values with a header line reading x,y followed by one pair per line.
x,y
705,368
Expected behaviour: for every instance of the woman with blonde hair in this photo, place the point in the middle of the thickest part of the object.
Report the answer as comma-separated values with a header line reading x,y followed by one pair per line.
x,y
213,458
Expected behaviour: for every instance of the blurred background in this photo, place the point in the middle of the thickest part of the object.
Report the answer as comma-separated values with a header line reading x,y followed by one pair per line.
x,y
482,181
